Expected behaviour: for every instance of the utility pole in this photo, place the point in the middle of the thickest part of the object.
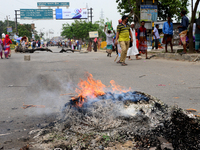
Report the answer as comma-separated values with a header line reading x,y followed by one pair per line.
x,y
87,12
7,20
16,20
102,14
90,14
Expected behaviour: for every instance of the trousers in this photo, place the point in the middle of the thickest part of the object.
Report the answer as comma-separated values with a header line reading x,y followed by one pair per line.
x,y
124,46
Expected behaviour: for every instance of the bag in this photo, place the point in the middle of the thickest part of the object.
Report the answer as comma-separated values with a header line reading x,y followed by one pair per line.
x,y
130,44
109,51
4,47
34,44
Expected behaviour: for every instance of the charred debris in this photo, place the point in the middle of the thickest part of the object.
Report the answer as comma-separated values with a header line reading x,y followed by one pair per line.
x,y
131,120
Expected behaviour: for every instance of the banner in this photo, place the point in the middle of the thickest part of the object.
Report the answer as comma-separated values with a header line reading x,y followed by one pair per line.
x,y
71,13
93,34
148,13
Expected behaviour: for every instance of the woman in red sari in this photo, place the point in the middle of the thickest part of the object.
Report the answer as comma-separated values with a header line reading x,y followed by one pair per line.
x,y
6,44
142,38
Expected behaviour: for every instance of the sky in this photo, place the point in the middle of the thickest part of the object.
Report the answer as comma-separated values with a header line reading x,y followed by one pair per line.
x,y
108,7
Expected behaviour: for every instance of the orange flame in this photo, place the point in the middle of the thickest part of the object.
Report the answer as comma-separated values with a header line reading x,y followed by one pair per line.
x,y
118,88
92,88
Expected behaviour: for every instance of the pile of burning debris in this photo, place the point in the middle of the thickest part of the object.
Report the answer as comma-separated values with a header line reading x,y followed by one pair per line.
x,y
119,120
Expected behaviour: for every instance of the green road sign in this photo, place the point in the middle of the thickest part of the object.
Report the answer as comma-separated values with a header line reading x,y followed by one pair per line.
x,y
52,4
36,14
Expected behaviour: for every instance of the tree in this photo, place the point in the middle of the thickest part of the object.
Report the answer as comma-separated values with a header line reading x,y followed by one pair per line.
x,y
194,11
25,30
172,8
165,7
80,29
130,7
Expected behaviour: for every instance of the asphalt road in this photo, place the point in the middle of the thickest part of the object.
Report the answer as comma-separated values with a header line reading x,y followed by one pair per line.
x,y
48,78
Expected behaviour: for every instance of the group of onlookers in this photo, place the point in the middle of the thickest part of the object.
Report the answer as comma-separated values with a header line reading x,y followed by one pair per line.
x,y
5,46
183,33
130,41
72,43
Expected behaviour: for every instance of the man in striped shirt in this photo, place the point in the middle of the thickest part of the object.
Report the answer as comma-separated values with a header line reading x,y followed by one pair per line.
x,y
123,35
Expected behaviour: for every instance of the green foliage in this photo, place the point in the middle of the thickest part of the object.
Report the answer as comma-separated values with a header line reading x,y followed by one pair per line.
x,y
171,7
80,29
106,138
37,37
165,7
25,30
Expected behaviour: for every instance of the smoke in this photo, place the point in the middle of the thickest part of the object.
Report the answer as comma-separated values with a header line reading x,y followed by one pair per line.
x,y
50,91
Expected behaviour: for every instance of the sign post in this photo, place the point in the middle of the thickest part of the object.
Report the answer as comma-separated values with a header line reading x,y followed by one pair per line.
x,y
9,29
36,14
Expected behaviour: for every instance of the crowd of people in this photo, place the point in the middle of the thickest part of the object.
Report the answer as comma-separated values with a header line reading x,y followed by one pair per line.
x,y
130,41
71,43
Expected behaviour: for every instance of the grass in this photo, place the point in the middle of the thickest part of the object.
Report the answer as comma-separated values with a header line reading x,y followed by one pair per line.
x,y
106,138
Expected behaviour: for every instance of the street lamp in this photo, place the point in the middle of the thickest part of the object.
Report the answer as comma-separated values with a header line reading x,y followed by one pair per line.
x,y
51,31
41,32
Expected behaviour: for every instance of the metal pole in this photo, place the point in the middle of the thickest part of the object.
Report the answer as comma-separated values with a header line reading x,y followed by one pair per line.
x,y
192,5
91,14
7,21
16,20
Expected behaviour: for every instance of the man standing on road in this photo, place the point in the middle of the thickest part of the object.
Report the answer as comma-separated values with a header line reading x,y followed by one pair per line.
x,y
80,44
168,33
156,36
142,38
133,47
197,35
123,33
183,30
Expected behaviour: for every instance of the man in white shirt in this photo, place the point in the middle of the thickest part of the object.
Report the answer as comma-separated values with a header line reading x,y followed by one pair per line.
x,y
133,50
109,41
156,36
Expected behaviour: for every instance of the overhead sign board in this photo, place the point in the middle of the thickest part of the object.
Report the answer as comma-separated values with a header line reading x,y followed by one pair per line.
x,y
93,34
78,13
52,4
36,14
148,13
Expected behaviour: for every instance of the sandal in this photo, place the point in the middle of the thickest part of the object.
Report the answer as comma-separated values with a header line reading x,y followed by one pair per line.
x,y
138,58
118,62
147,58
123,64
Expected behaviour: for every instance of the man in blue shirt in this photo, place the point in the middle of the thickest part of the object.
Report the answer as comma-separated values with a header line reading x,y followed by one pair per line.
x,y
168,33
183,30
